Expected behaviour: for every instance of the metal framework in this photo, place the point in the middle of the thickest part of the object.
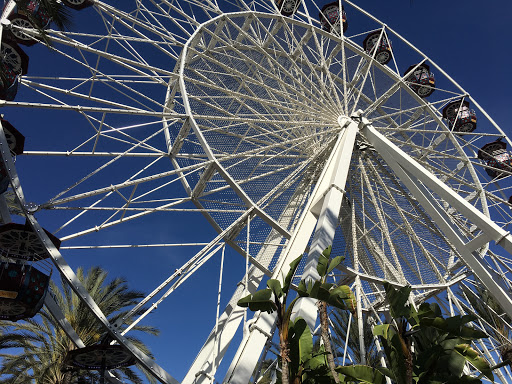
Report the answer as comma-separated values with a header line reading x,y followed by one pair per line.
x,y
286,138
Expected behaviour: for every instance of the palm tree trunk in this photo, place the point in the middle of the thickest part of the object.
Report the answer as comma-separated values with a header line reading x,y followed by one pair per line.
x,y
324,328
407,351
285,352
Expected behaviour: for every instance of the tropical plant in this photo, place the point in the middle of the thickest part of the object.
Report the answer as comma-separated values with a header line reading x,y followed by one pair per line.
x,y
323,269
421,346
42,346
295,340
495,320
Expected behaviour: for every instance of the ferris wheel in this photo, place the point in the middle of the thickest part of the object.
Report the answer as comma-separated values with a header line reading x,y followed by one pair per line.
x,y
200,146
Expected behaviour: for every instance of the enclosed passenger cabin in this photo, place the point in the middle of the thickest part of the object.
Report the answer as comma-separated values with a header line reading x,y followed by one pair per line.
x,y
420,79
497,159
22,17
23,284
460,118
15,63
330,17
15,139
9,85
16,142
19,241
22,290
376,43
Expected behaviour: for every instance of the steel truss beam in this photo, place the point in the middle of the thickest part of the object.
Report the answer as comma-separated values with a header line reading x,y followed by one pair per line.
x,y
65,270
423,185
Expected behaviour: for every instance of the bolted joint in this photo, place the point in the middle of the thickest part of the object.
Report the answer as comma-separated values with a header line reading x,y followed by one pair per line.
x,y
31,208
343,121
360,119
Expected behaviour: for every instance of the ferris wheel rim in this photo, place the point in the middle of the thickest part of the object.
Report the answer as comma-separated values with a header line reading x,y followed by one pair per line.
x,y
190,115
355,48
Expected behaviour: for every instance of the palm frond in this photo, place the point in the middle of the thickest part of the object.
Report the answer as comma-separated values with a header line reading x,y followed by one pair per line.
x,y
43,346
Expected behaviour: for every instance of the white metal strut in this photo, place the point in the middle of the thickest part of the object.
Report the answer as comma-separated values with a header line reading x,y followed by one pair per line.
x,y
321,212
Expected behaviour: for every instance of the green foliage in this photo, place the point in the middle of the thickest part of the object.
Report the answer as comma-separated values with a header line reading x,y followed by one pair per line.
x,y
293,268
340,297
301,345
272,297
342,324
306,365
494,318
275,286
324,267
259,301
421,346
43,345
296,339
363,374
442,346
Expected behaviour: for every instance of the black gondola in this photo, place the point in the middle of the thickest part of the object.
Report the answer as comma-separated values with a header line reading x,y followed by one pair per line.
x,y
497,158
78,4
15,139
18,241
330,17
460,117
287,7
14,62
421,80
22,290
98,357
24,18
381,49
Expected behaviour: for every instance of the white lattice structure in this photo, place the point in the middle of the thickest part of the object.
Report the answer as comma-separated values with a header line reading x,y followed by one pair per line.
x,y
284,136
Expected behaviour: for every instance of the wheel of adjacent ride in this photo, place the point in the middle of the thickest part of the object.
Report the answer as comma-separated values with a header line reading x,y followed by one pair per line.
x,y
169,129
14,56
78,4
11,308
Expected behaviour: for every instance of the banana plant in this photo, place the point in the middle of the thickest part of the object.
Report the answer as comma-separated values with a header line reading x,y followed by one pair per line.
x,y
423,347
295,365
324,268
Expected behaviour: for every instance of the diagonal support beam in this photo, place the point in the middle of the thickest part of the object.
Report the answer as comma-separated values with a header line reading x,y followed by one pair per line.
x,y
322,212
65,270
423,184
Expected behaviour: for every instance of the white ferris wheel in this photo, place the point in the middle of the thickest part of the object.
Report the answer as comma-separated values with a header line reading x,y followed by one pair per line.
x,y
283,130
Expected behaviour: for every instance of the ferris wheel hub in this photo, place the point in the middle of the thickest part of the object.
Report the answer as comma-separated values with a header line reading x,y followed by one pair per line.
x,y
343,121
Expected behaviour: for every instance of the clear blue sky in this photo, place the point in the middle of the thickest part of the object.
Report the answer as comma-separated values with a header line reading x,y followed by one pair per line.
x,y
466,38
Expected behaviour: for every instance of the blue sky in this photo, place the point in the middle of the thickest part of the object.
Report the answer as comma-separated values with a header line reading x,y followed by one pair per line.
x,y
466,38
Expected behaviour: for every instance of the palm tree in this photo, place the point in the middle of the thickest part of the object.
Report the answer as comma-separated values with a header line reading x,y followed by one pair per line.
x,y
42,346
